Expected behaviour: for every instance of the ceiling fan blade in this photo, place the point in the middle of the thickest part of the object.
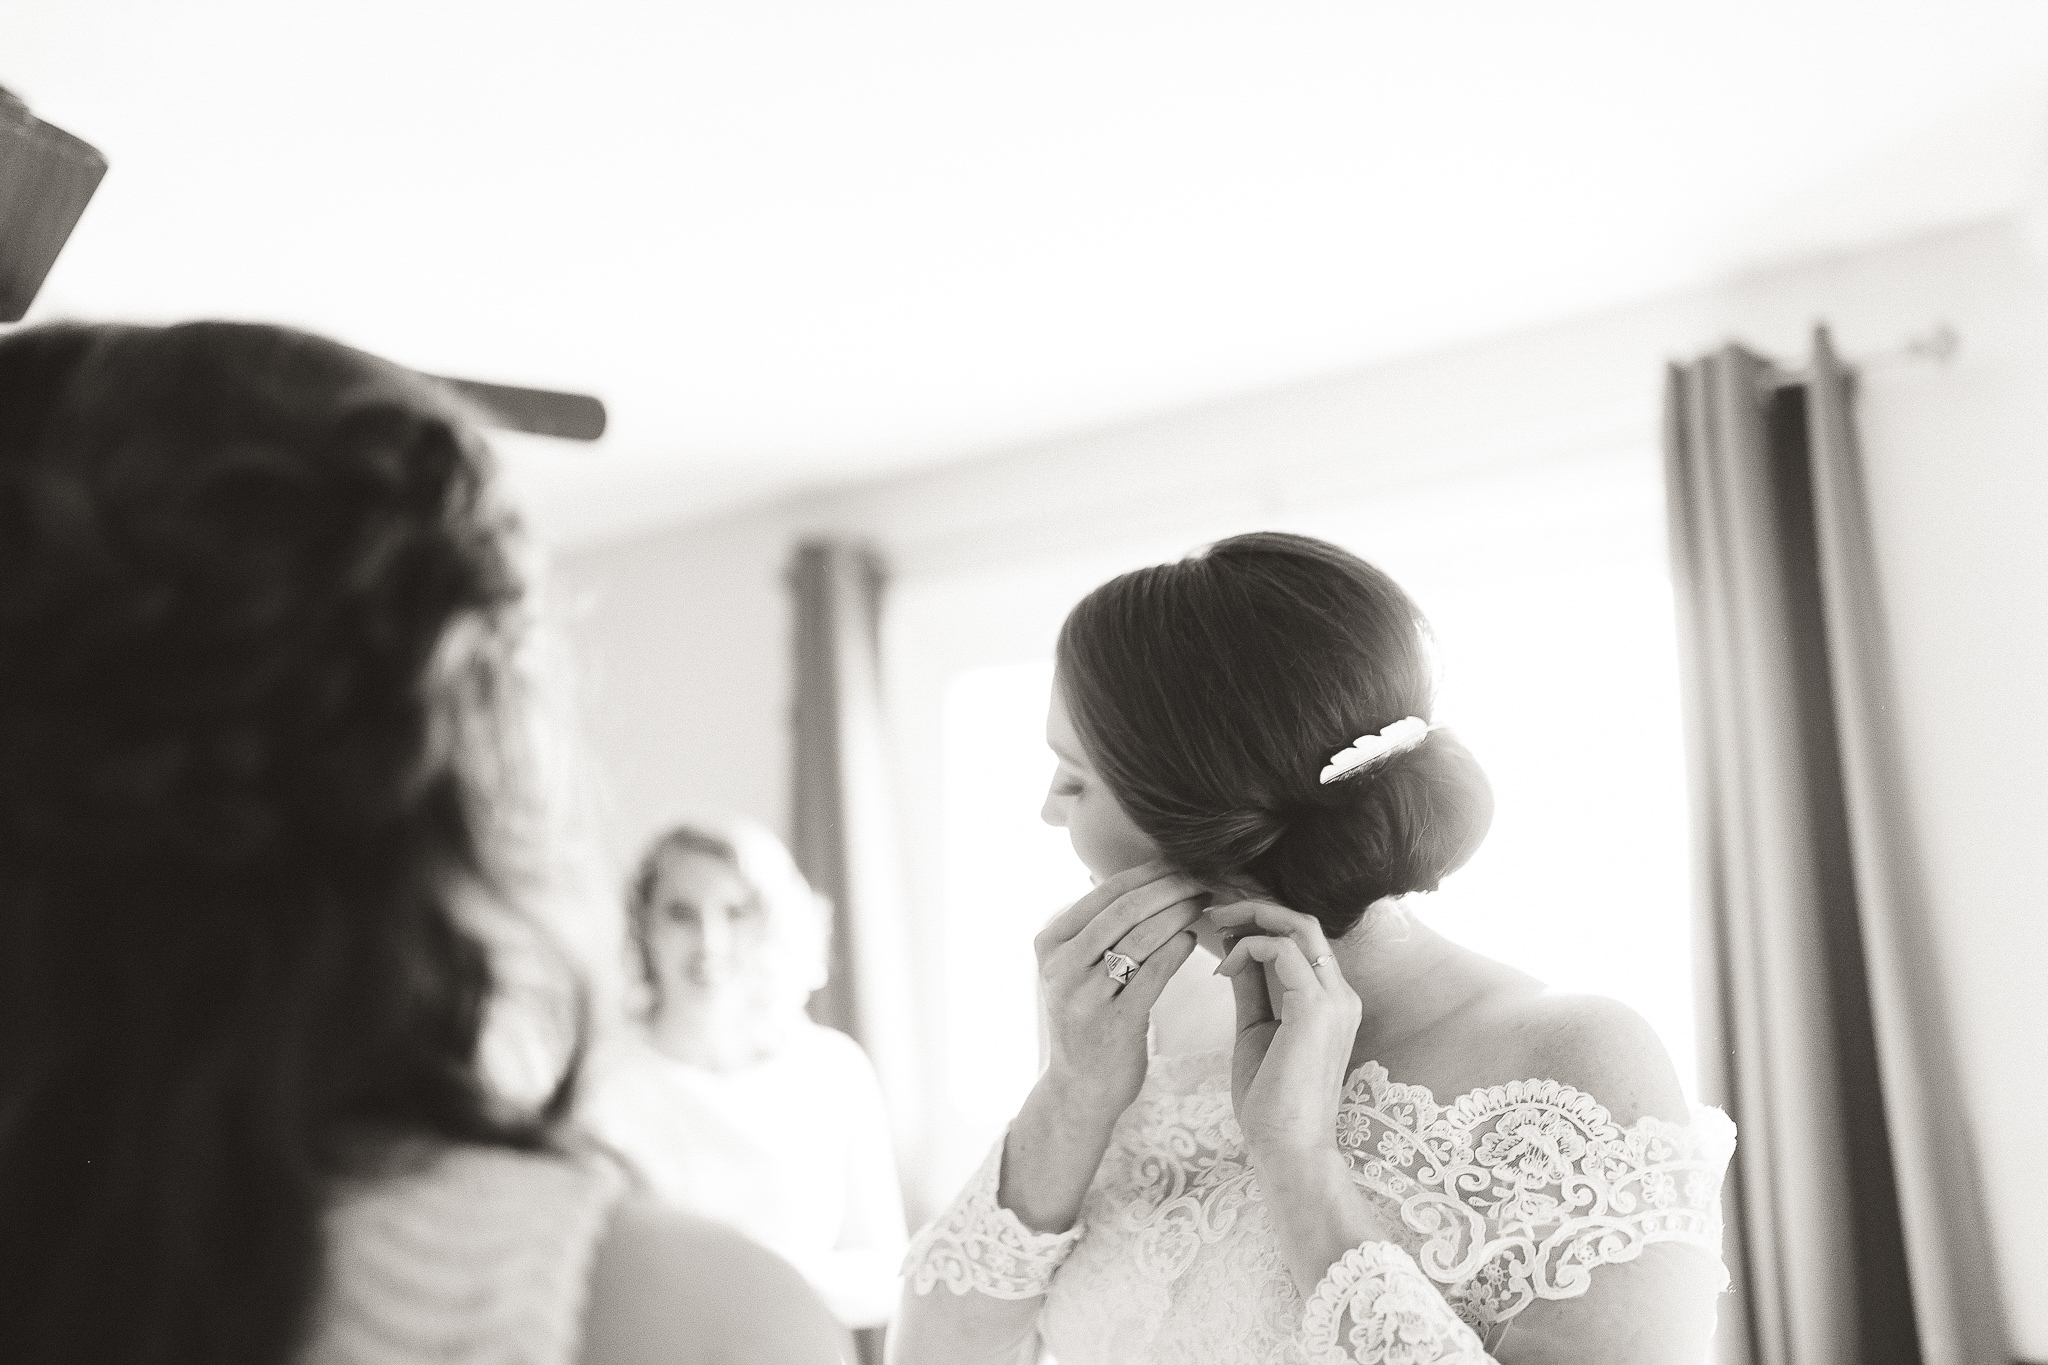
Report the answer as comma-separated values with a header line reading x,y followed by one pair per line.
x,y
543,412
46,178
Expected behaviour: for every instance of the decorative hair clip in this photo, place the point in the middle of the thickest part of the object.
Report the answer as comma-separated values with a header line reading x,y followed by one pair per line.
x,y
1396,738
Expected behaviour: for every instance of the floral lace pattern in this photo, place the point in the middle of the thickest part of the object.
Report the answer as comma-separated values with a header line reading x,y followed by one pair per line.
x,y
1397,1317
978,1244
1508,1194
1518,1191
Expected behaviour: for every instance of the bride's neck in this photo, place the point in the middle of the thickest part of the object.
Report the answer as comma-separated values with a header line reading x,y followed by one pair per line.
x,y
1400,967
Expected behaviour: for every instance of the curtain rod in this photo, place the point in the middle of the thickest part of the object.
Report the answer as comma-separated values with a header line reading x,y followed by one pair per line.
x,y
1937,345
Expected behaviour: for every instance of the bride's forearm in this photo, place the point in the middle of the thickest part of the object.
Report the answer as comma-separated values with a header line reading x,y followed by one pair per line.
x,y
975,1279
1318,1213
1055,1144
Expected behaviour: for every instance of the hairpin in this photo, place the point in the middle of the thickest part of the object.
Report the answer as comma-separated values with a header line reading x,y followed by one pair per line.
x,y
1401,735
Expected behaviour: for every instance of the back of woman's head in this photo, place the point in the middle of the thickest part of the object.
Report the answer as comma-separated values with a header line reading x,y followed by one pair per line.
x,y
1211,692
256,613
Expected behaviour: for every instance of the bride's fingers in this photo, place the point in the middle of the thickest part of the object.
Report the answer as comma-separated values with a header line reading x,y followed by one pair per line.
x,y
1238,954
1271,980
1076,917
1274,919
1152,934
1269,918
1251,948
1127,912
1283,957
1254,1003
1150,980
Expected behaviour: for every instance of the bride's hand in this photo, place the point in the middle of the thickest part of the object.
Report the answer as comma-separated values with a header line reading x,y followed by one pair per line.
x,y
1097,1025
1296,1026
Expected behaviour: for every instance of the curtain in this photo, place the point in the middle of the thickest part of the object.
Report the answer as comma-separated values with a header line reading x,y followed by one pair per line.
x,y
1948,1240
1810,940
842,833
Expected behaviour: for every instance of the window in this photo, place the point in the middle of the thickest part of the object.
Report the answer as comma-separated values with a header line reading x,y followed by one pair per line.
x,y
1006,871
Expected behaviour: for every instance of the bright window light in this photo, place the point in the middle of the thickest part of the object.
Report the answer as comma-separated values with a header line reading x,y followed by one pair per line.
x,y
1006,872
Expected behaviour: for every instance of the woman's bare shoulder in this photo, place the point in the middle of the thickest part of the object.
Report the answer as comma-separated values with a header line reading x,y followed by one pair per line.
x,y
1594,1044
671,1288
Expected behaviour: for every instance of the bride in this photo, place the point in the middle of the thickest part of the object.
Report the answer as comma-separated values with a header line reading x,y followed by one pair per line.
x,y
1411,1152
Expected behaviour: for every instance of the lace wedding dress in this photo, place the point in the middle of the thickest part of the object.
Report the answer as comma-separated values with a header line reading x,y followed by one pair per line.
x,y
1505,1195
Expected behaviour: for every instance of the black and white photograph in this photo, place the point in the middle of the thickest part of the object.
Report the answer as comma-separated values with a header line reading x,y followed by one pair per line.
x,y
954,682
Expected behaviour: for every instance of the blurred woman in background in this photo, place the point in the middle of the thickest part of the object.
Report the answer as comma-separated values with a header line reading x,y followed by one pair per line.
x,y
266,737
730,1100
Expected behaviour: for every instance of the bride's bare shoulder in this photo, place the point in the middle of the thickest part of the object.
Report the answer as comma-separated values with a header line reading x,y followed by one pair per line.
x,y
670,1288
1520,1030
1598,1046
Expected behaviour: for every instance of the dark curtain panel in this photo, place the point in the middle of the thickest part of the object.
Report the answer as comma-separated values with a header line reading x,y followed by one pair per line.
x,y
842,834
837,592
1815,1240
1948,1242
842,824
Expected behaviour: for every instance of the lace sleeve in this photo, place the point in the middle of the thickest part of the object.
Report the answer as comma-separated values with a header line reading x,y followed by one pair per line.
x,y
1395,1316
979,1245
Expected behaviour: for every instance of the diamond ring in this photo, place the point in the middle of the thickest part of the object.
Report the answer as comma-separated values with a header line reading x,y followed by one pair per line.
x,y
1325,958
1120,967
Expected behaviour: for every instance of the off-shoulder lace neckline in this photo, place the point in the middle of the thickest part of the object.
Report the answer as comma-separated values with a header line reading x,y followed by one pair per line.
x,y
1474,1106
1508,1193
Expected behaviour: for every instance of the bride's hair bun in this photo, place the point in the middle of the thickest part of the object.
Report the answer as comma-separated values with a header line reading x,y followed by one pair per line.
x,y
1404,826
1211,692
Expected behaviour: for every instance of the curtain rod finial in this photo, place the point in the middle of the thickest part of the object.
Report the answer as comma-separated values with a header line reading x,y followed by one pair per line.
x,y
1938,344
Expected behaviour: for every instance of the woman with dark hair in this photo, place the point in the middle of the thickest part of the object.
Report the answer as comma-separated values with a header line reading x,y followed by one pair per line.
x,y
1368,1173
264,736
719,1089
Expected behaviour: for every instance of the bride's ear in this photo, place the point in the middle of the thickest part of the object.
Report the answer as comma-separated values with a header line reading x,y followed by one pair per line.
x,y
1238,886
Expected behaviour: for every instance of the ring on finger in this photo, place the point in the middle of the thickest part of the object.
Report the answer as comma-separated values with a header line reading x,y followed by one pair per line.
x,y
1324,960
1120,968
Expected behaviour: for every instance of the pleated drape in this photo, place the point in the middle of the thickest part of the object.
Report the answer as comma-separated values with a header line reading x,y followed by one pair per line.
x,y
1948,1241
842,829
1795,806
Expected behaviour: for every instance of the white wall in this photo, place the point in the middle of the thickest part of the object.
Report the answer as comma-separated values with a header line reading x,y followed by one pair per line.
x,y
681,646
684,634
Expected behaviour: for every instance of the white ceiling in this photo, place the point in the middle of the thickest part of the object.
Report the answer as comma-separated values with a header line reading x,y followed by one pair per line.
x,y
796,244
